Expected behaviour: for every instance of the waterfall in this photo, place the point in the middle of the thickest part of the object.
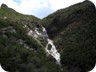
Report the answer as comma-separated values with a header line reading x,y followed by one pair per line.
x,y
52,51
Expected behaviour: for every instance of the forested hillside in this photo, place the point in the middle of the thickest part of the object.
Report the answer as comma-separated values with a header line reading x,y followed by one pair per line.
x,y
72,30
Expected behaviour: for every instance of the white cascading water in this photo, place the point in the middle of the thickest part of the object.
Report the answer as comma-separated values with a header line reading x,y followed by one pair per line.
x,y
53,51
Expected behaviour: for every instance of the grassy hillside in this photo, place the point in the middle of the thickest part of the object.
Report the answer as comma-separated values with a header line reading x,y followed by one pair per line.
x,y
13,15
18,51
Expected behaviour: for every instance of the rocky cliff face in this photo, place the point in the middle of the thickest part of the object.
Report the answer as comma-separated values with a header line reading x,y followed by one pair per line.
x,y
23,40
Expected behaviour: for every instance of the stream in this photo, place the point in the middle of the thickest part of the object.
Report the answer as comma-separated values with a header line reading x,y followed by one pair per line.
x,y
50,47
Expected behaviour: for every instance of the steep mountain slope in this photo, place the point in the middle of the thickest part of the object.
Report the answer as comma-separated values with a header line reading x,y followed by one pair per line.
x,y
60,19
11,14
21,49
74,33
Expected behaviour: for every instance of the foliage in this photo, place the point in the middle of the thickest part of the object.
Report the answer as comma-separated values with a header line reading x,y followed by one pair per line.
x,y
73,30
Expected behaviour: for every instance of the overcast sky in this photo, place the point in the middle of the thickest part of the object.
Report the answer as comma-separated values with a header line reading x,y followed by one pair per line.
x,y
39,8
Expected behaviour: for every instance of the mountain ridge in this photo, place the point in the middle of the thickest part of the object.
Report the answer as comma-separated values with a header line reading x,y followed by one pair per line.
x,y
67,13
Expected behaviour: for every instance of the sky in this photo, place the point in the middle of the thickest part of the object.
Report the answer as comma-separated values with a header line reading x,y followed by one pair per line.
x,y
39,8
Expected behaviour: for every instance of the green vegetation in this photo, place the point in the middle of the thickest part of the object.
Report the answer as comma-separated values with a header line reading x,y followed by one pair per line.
x,y
59,20
74,32
13,15
72,29
14,56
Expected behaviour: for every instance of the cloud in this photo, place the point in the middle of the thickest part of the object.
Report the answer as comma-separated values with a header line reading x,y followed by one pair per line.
x,y
39,8
43,12
58,4
29,6
1,2
10,3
